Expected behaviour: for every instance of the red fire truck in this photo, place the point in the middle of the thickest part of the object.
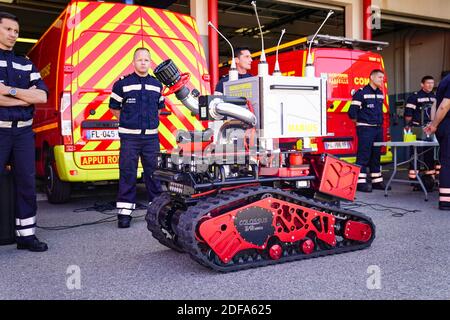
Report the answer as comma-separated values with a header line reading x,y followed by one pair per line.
x,y
347,64
87,48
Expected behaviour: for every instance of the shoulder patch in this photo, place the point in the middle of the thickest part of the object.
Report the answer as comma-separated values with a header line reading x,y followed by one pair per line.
x,y
125,76
21,55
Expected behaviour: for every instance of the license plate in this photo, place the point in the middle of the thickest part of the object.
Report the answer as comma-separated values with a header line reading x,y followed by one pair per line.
x,y
102,134
334,145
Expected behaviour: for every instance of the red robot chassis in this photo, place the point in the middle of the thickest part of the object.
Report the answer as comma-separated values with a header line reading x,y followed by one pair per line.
x,y
245,192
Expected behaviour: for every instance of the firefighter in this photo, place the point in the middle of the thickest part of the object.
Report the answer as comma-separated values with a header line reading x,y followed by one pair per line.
x,y
366,111
21,87
136,100
243,59
441,125
417,114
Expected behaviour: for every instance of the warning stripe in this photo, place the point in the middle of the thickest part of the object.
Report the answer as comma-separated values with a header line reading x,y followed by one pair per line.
x,y
101,49
178,48
87,19
335,106
90,18
160,57
99,40
106,51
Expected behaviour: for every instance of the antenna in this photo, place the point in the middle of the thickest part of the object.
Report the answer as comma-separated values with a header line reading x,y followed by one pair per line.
x,y
276,70
310,70
263,67
233,72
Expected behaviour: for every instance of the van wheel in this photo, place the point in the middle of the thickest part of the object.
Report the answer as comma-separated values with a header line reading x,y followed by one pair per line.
x,y
57,191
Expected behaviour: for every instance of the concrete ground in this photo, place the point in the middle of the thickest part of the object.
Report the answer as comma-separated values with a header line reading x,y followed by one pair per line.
x,y
409,259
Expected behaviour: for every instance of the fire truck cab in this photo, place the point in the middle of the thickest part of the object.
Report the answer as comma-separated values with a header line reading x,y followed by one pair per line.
x,y
87,49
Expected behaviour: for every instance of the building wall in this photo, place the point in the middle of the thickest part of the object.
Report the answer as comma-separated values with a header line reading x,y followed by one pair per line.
x,y
412,54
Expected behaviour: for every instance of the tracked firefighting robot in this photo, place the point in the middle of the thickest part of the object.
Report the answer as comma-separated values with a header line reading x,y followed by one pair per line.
x,y
245,192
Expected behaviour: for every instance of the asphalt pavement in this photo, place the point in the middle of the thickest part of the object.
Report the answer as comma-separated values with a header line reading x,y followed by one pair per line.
x,y
409,259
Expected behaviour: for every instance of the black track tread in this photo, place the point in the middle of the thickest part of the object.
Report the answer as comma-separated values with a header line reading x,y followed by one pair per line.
x,y
153,225
188,222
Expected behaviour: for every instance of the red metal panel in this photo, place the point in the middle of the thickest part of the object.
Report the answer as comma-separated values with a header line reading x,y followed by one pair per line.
x,y
339,178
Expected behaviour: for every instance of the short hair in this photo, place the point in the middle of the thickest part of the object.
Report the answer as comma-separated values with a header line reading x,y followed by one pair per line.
x,y
238,51
375,71
6,15
427,78
445,73
140,49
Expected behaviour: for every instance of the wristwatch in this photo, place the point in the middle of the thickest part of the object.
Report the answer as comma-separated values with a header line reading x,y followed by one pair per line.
x,y
12,92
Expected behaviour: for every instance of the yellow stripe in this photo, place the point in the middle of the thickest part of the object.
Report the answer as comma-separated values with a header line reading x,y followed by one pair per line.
x,y
100,111
156,59
183,30
347,106
176,122
384,108
99,37
88,21
81,104
114,146
76,134
335,105
74,10
118,68
166,49
167,134
108,54
91,145
46,127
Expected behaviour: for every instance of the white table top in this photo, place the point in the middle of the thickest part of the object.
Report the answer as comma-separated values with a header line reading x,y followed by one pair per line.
x,y
406,144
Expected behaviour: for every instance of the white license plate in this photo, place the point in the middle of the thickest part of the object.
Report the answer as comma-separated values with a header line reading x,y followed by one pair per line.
x,y
335,145
102,134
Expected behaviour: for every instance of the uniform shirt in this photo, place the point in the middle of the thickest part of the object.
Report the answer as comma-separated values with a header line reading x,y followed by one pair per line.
x,y
367,106
138,99
18,72
417,102
443,92
219,86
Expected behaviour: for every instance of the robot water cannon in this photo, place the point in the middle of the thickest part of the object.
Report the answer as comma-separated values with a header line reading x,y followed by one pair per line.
x,y
233,72
276,70
310,69
263,66
169,75
211,107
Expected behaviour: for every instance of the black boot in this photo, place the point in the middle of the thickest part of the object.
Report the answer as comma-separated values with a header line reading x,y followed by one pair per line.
x,y
380,186
123,221
31,243
364,187
444,206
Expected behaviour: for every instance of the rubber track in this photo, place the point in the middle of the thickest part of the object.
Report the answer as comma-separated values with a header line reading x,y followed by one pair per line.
x,y
188,222
153,224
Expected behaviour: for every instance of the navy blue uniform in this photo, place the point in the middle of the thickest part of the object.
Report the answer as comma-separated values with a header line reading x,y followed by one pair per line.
x,y
418,106
367,109
219,86
17,139
443,136
139,100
